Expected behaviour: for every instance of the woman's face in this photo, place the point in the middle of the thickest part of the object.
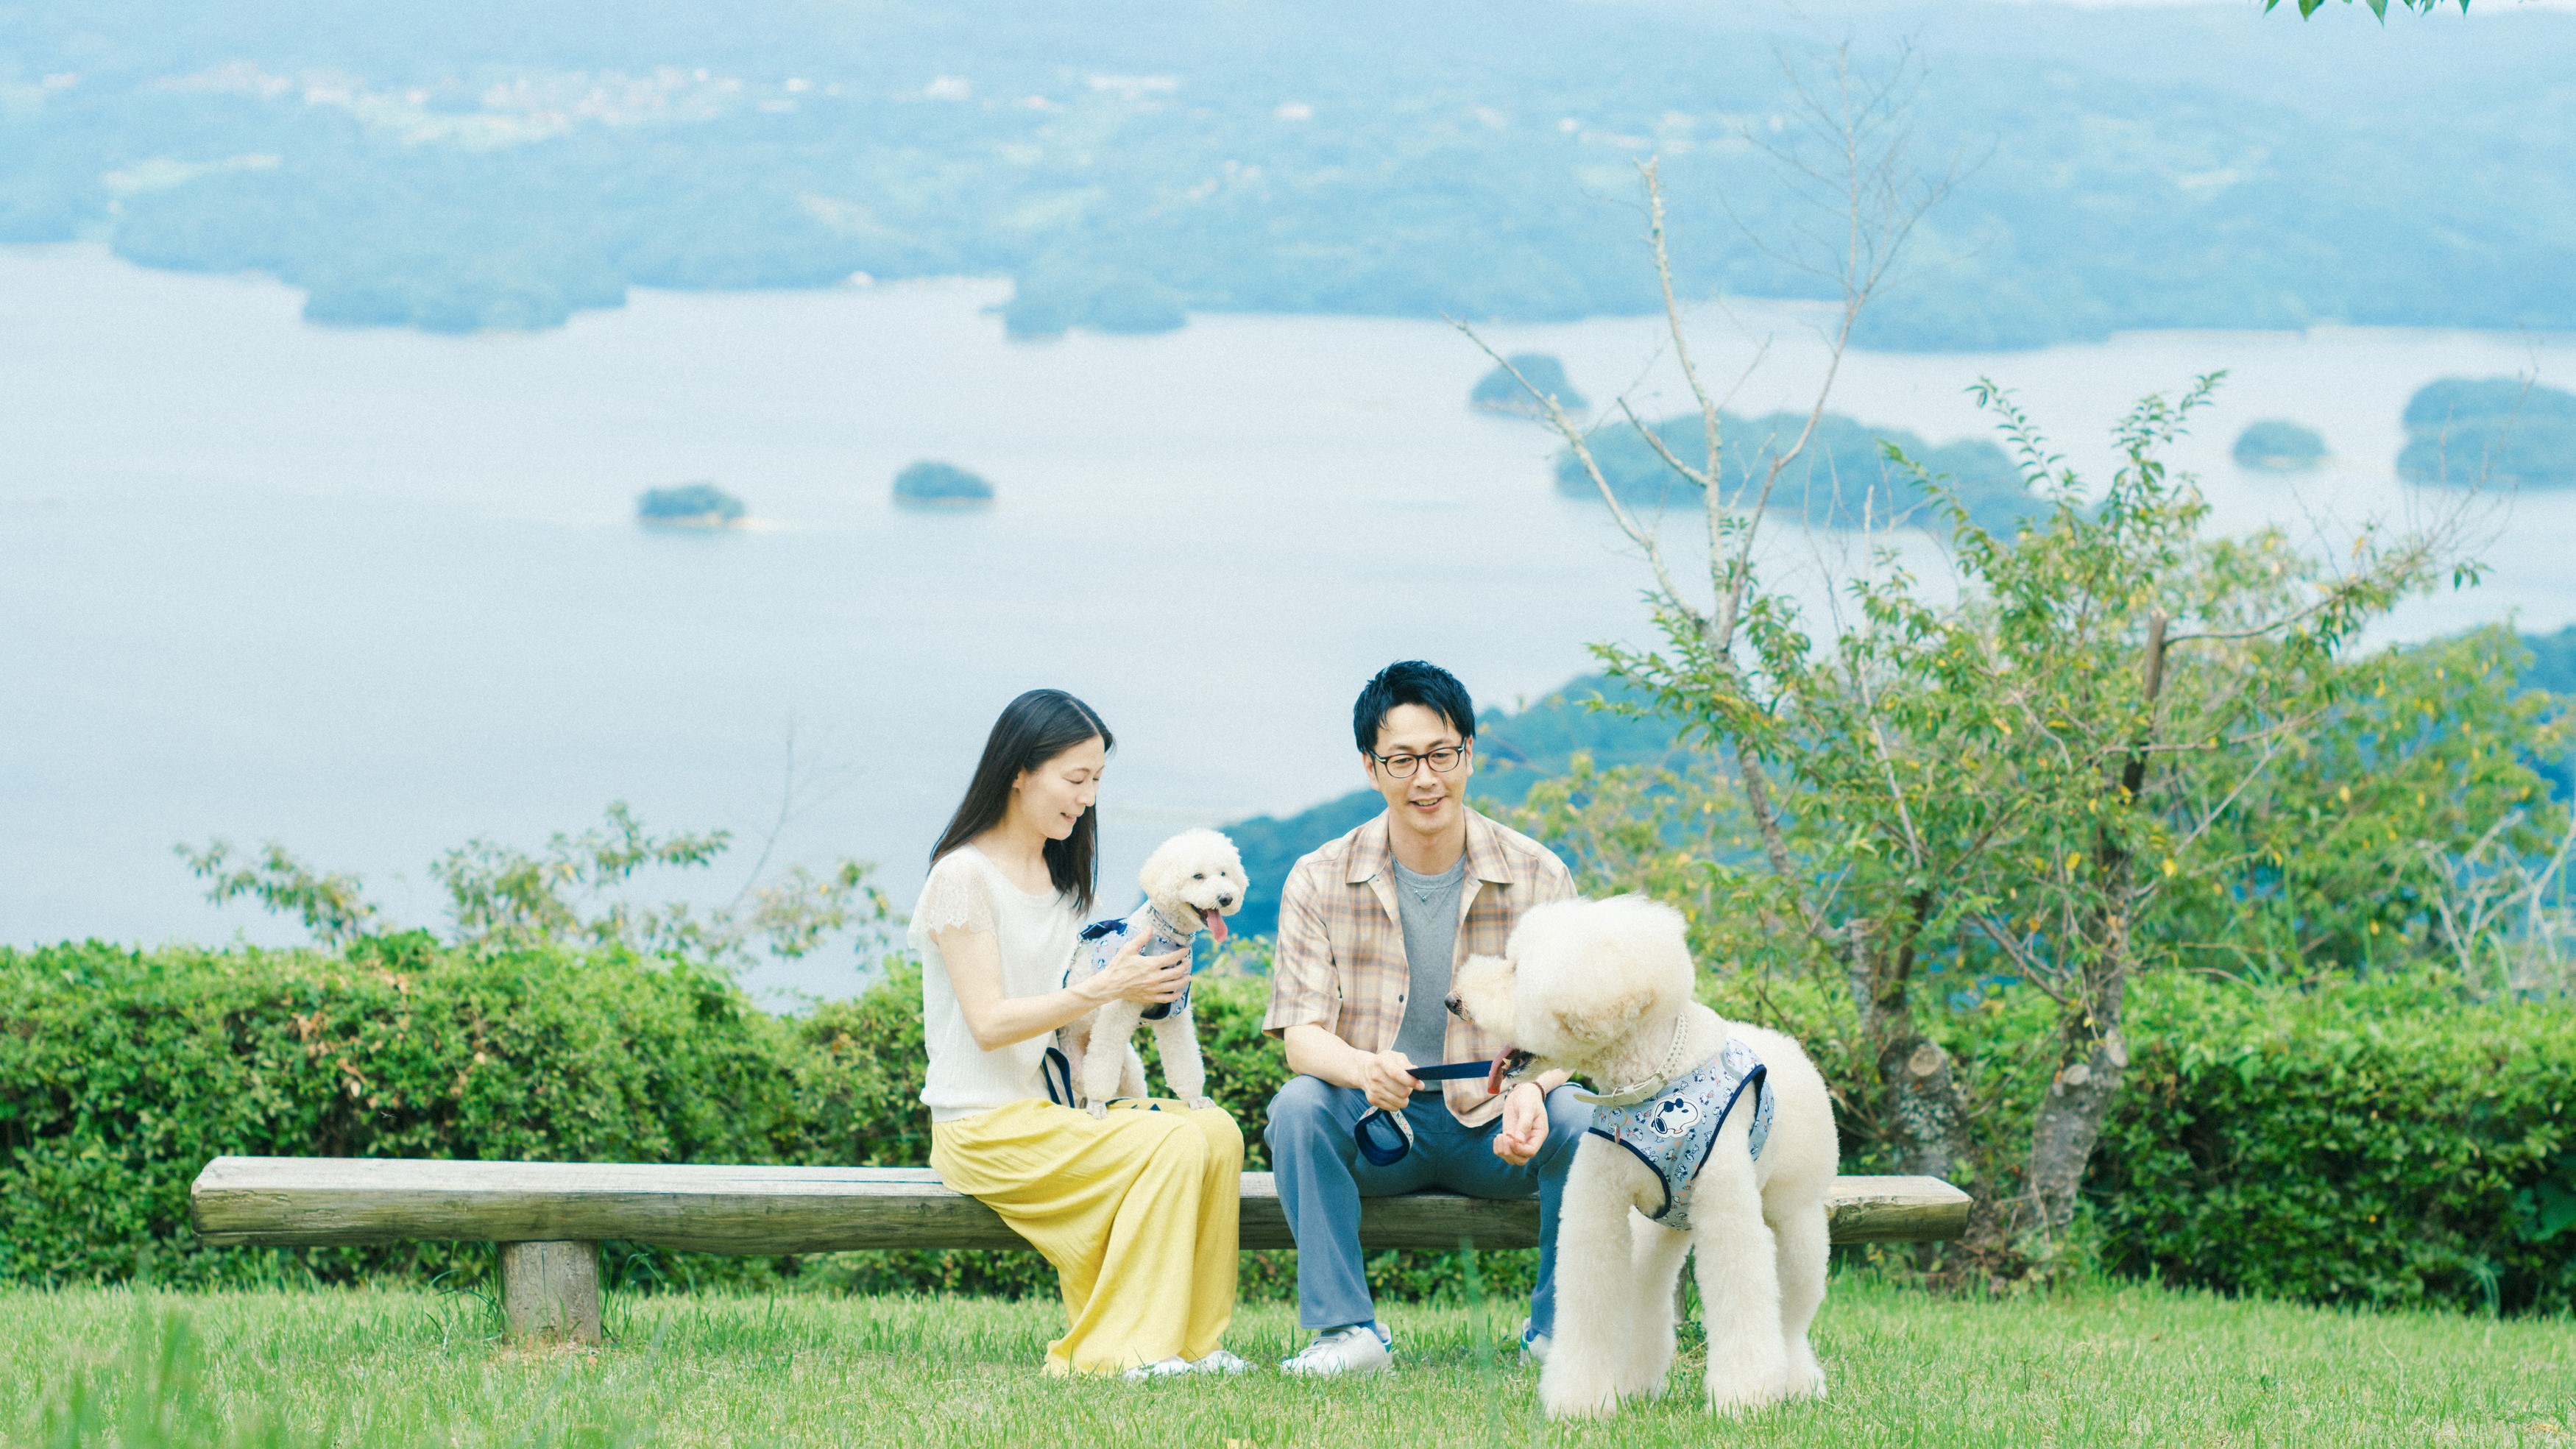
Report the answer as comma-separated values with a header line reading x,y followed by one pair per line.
x,y
1053,796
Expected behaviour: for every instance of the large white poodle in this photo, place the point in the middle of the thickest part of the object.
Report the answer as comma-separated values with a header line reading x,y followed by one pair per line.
x,y
1192,882
1709,1137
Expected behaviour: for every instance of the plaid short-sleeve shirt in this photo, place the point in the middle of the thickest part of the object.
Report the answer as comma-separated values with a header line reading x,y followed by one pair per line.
x,y
1340,958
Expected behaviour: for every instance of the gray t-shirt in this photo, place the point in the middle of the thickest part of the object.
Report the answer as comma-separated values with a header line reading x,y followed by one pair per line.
x,y
1427,906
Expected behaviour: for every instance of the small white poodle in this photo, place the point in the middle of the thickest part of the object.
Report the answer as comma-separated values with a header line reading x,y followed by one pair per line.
x,y
1709,1137
1192,882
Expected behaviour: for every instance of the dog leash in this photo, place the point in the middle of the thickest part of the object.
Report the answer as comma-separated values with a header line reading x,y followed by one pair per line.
x,y
1385,1137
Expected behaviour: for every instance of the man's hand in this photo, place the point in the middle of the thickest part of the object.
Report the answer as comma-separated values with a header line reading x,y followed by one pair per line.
x,y
1387,1079
1524,1125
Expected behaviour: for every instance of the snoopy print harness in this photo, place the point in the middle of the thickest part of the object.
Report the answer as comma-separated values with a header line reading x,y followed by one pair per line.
x,y
1103,940
1672,1130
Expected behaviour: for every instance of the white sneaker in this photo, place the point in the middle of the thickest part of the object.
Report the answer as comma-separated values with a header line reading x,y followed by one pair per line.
x,y
1362,1348
1219,1362
1534,1346
1159,1369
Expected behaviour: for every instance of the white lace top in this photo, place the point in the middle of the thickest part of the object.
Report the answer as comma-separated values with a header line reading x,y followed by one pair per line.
x,y
1036,934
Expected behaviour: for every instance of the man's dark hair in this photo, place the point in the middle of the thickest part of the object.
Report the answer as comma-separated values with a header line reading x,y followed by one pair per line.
x,y
1411,681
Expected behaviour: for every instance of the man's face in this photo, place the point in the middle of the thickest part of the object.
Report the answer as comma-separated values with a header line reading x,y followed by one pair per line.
x,y
1426,801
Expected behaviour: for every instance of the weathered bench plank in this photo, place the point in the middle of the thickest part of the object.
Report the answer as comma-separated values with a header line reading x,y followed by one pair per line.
x,y
745,1210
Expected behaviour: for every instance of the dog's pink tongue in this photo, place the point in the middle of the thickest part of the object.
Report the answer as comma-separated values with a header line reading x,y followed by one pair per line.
x,y
1494,1078
1216,927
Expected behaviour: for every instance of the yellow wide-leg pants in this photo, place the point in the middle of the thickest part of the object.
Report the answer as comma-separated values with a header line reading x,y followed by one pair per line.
x,y
1137,1212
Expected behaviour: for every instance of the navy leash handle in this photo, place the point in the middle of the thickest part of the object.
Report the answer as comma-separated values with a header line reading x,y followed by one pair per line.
x,y
1451,1071
1385,1137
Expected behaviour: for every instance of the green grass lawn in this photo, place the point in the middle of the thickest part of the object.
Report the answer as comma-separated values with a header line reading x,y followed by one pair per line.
x,y
2113,1366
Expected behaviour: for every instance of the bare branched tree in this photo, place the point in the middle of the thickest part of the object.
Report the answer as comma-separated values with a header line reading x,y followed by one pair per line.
x,y
2504,913
1847,152
1870,183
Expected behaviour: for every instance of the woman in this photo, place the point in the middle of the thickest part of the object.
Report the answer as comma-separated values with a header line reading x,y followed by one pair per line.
x,y
1137,1212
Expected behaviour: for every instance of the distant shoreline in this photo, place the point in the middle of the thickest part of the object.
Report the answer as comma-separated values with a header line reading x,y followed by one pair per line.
x,y
1780,314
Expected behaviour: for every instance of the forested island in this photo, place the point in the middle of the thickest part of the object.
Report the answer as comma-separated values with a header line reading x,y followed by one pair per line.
x,y
1126,164
1499,391
2277,445
690,505
1843,478
2497,432
933,484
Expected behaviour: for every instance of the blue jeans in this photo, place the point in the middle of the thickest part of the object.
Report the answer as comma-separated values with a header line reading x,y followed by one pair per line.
x,y
1322,1178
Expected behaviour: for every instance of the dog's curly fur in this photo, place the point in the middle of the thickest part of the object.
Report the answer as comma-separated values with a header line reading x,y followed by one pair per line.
x,y
1190,879
1598,988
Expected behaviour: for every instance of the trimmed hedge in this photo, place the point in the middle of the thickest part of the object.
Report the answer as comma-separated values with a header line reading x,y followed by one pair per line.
x,y
2246,1157
2375,1145
121,1073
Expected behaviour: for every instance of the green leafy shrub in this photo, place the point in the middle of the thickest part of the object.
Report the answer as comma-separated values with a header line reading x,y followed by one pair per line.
x,y
2160,1202
2380,1145
2245,1157
2359,845
578,891
121,1073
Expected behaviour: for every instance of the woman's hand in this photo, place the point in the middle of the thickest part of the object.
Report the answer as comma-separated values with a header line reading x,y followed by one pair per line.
x,y
974,961
1133,976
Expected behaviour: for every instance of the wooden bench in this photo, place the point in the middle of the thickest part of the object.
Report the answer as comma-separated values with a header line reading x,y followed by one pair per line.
x,y
549,1217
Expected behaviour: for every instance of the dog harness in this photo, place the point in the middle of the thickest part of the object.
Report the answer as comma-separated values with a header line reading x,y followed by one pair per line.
x,y
1103,940
1672,1130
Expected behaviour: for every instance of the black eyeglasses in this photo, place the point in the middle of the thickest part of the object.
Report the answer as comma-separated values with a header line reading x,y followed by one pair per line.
x,y
1443,760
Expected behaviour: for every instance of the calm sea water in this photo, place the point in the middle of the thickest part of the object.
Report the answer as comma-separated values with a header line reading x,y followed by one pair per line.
x,y
374,593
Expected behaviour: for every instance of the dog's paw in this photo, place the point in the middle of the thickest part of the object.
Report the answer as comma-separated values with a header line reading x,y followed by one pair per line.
x,y
1806,1376
1100,1111
1645,1379
1742,1393
1566,1395
1201,1104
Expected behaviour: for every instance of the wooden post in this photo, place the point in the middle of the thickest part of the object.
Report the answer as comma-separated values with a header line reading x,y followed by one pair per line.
x,y
550,1291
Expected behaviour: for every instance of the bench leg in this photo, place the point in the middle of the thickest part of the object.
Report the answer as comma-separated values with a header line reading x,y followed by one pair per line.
x,y
550,1291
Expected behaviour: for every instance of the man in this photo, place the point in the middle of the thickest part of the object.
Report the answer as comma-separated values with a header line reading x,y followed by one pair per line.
x,y
1370,927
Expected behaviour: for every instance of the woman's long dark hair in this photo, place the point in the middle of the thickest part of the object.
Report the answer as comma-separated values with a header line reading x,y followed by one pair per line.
x,y
1033,729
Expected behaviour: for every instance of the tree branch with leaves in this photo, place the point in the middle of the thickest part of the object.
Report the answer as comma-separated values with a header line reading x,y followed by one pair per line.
x,y
2010,771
